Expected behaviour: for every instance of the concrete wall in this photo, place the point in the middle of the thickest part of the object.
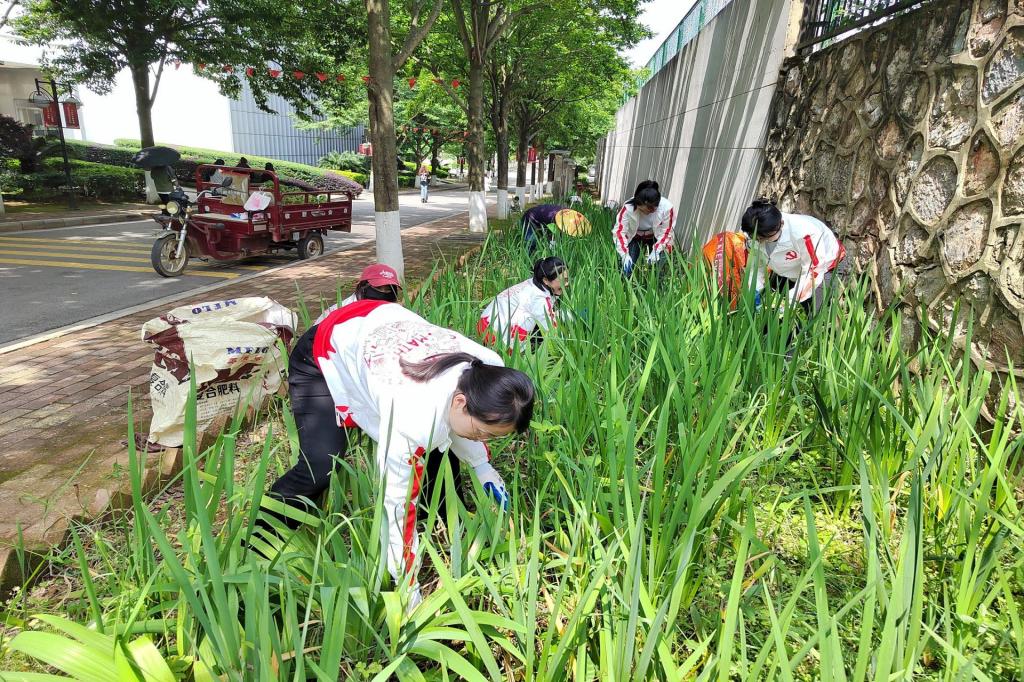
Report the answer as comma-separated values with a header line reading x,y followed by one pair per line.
x,y
698,127
909,141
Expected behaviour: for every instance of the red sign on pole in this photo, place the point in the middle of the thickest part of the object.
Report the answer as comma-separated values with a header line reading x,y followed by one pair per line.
x,y
51,115
71,115
366,148
531,156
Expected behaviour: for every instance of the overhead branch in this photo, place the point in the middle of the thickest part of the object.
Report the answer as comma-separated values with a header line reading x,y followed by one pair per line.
x,y
417,34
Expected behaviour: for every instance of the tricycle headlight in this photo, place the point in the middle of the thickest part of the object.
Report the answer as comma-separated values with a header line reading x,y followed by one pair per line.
x,y
173,207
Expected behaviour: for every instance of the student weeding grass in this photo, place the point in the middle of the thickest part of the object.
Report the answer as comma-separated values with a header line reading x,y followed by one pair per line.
x,y
798,253
525,311
419,391
644,223
377,282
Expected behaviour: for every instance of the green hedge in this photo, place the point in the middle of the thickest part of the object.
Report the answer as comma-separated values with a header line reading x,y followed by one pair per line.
x,y
361,178
95,180
194,156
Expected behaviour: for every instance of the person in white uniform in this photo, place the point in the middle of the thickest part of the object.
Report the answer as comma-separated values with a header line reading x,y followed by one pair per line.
x,y
645,222
419,391
528,309
377,282
793,252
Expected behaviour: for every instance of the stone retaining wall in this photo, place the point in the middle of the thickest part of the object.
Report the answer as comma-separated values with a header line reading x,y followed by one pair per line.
x,y
909,141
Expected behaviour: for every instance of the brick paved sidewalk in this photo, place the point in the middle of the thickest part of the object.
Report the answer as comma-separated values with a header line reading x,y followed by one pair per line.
x,y
65,399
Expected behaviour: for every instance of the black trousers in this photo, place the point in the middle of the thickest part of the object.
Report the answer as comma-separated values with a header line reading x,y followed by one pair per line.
x,y
322,443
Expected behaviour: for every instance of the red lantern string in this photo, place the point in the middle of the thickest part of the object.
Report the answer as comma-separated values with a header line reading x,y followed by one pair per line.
x,y
456,83
299,75
412,82
250,72
274,73
321,76
340,78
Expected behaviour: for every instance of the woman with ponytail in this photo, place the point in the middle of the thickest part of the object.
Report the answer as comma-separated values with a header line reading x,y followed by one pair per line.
x,y
645,222
419,391
526,310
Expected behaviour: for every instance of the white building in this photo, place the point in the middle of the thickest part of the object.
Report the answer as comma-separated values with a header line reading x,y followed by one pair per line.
x,y
188,110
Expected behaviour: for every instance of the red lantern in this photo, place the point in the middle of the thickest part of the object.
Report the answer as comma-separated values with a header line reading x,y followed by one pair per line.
x,y
367,79
202,66
340,78
227,69
412,82
321,76
299,75
250,72
456,83
274,73
177,64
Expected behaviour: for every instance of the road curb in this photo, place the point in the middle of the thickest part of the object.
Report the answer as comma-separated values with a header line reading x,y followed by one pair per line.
x,y
75,221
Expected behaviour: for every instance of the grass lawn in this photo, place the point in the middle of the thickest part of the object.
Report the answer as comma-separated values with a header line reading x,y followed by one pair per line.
x,y
697,499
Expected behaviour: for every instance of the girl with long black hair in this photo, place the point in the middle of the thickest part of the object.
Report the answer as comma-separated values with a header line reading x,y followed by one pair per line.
x,y
528,309
419,391
645,222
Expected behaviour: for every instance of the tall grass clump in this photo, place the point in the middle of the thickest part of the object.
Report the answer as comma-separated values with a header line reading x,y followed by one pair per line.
x,y
704,495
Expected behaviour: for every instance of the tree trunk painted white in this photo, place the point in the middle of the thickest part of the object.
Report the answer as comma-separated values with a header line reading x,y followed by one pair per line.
x,y
369,183
389,240
3,211
477,211
521,193
502,203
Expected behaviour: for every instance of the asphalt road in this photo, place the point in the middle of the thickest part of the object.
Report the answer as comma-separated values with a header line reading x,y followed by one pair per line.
x,y
53,278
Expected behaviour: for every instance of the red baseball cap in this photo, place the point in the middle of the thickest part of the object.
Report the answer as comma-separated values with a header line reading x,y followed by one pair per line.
x,y
380,275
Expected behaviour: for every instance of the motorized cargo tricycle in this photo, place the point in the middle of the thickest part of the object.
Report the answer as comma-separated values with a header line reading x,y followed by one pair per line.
x,y
243,212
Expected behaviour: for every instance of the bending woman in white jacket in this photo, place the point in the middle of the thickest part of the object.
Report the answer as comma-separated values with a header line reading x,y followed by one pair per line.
x,y
798,252
526,310
417,390
645,221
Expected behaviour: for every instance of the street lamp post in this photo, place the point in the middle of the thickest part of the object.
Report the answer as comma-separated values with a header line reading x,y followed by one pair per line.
x,y
43,100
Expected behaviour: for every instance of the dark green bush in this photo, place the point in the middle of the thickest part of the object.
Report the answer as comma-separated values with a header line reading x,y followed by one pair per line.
x,y
294,174
346,161
96,180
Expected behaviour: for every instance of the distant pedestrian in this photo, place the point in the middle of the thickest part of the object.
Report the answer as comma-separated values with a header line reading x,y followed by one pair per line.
x,y
209,173
644,222
424,176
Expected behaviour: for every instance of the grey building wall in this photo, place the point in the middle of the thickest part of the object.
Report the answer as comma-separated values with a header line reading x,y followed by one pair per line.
x,y
257,132
698,127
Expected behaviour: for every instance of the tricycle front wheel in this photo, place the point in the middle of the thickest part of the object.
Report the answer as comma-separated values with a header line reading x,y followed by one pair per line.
x,y
162,256
311,246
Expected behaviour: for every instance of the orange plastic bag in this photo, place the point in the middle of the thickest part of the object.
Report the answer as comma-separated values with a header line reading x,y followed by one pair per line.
x,y
726,253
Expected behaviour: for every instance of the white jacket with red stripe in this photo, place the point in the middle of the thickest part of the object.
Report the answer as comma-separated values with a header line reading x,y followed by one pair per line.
x,y
358,348
517,311
806,250
629,222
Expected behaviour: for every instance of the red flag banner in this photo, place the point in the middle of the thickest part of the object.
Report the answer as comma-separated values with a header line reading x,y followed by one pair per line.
x,y
51,115
71,115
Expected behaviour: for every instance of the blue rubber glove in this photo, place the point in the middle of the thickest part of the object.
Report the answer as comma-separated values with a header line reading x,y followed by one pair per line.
x,y
492,483
627,265
757,300
654,257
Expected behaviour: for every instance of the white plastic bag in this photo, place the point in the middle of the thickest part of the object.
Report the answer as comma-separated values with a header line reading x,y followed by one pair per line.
x,y
233,348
